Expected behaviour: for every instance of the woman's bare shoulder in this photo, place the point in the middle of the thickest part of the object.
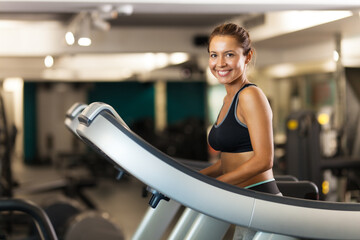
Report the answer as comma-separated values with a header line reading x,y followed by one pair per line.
x,y
252,94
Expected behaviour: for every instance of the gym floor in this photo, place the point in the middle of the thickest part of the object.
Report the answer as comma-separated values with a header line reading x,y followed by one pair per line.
x,y
122,199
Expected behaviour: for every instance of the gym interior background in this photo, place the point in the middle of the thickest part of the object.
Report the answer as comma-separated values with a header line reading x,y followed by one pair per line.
x,y
149,62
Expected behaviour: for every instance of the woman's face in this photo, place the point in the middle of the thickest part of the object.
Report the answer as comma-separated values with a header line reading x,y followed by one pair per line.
x,y
227,61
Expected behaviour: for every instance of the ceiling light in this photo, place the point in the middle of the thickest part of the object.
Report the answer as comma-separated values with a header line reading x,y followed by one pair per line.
x,y
70,38
149,61
80,26
304,19
11,24
84,41
12,84
49,61
178,57
84,35
73,27
161,60
336,56
282,70
126,10
292,21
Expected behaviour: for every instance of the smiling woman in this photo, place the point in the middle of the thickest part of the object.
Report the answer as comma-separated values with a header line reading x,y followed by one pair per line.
x,y
243,131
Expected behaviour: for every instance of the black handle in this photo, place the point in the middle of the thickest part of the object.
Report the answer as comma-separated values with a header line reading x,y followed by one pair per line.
x,y
156,197
39,215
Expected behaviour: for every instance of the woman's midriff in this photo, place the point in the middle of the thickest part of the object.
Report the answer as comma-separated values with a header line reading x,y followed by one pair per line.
x,y
231,161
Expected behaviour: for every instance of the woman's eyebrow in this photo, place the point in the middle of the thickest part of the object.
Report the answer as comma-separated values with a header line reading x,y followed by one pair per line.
x,y
227,51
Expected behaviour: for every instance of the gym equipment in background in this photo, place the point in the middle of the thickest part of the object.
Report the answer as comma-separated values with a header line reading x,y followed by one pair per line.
x,y
304,158
87,224
43,224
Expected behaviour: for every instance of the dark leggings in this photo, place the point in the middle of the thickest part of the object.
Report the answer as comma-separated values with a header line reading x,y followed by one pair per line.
x,y
269,187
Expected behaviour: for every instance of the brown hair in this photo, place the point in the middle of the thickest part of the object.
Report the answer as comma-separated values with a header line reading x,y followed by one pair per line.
x,y
236,31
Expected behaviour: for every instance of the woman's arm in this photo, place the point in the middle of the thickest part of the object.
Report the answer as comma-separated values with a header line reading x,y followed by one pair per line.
x,y
254,110
214,170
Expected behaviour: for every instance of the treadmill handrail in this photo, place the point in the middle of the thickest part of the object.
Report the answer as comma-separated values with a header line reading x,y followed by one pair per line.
x,y
228,187
88,115
253,205
75,110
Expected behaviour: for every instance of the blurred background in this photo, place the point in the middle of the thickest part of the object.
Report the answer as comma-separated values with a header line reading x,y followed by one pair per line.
x,y
148,59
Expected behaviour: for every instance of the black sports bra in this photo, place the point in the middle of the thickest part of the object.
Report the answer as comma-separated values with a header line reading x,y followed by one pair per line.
x,y
231,135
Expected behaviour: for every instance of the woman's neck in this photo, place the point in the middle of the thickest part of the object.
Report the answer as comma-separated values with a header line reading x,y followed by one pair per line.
x,y
232,89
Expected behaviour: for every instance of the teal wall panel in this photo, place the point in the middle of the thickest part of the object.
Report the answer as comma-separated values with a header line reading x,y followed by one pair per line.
x,y
185,100
30,129
132,100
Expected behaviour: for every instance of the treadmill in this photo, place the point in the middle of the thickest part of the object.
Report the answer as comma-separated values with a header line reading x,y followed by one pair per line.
x,y
216,202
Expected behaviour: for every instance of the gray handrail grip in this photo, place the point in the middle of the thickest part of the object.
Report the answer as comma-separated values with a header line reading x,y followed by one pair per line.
x,y
96,108
75,109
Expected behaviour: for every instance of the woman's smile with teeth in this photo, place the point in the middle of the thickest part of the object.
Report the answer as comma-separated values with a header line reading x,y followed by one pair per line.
x,y
223,73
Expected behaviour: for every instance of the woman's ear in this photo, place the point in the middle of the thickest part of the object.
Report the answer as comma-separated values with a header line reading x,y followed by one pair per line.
x,y
249,56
